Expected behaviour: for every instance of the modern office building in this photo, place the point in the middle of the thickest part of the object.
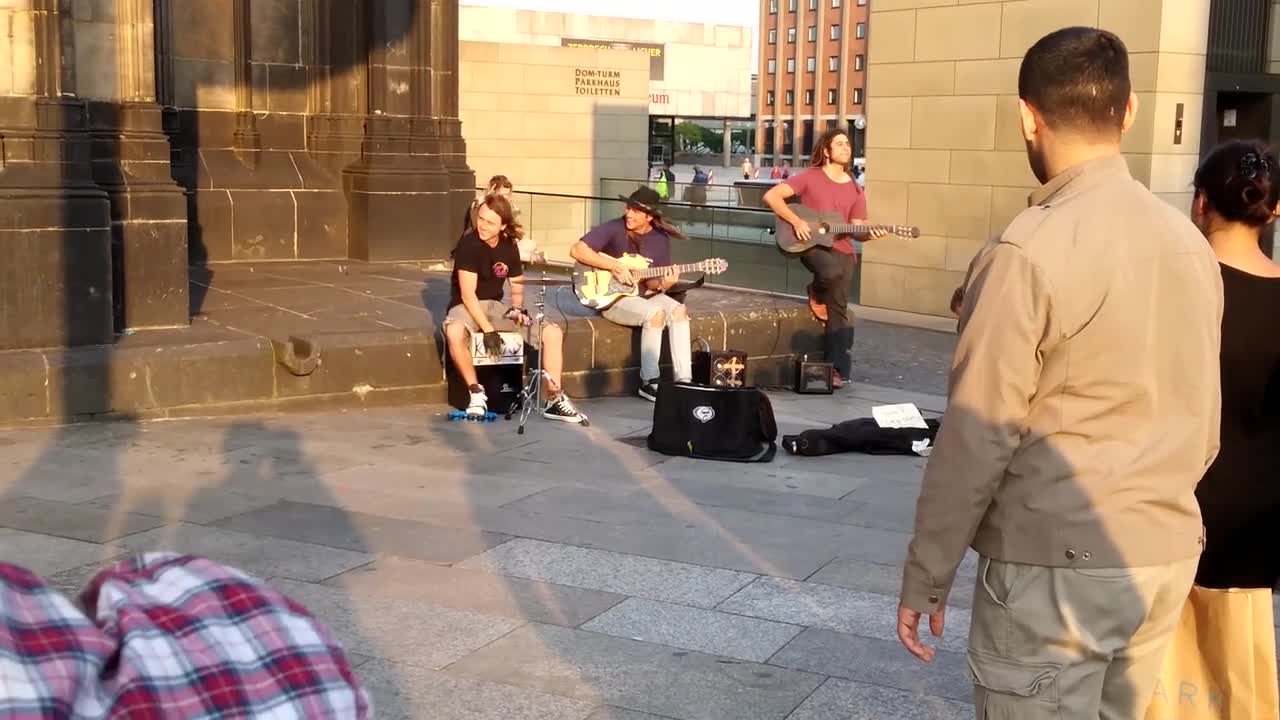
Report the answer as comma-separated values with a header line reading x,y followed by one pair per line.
x,y
813,69
944,148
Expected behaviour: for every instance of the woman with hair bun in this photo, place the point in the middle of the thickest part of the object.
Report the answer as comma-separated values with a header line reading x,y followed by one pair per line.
x,y
1236,192
1225,642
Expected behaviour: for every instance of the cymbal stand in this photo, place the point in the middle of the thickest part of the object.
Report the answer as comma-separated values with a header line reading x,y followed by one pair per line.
x,y
531,396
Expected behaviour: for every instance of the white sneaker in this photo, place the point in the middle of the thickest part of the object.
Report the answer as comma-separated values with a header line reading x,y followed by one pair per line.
x,y
479,404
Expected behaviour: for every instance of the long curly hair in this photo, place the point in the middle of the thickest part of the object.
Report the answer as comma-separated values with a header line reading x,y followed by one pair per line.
x,y
513,231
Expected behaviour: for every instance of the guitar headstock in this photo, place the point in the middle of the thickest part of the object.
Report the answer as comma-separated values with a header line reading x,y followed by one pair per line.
x,y
713,266
905,231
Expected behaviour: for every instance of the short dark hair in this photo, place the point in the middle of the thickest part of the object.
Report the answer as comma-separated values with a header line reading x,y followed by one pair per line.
x,y
1241,181
1077,78
822,144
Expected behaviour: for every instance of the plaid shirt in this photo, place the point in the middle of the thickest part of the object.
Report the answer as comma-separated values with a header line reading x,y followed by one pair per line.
x,y
167,636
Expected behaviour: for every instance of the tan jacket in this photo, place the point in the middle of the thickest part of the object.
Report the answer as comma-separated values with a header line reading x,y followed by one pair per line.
x,y
1084,401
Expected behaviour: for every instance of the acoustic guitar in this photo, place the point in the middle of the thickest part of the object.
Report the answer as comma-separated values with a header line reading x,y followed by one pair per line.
x,y
599,289
824,227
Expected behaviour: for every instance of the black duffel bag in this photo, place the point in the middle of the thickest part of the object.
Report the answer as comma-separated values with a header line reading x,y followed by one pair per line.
x,y
713,423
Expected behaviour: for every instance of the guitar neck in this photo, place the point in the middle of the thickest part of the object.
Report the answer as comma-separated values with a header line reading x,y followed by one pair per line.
x,y
850,229
654,272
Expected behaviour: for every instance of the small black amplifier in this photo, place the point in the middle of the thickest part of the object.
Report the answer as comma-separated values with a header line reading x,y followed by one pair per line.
x,y
720,368
814,378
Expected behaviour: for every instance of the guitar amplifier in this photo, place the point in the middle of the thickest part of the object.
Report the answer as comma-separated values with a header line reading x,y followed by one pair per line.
x,y
814,378
720,368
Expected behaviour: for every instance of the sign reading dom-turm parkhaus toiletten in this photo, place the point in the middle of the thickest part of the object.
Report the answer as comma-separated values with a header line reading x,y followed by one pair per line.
x,y
597,81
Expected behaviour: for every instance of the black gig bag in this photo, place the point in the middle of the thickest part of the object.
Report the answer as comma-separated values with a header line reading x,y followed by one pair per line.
x,y
714,423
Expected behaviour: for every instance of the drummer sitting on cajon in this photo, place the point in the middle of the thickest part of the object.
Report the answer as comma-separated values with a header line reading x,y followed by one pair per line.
x,y
483,261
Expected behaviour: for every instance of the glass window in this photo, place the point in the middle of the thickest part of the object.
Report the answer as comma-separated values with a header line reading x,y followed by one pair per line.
x,y
813,33
791,97
857,96
831,97
808,97
859,61
773,66
860,31
791,35
811,64
773,36
833,63
835,32
768,98
791,65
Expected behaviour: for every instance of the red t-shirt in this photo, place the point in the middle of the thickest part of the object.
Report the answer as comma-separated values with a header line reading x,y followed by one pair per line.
x,y
819,192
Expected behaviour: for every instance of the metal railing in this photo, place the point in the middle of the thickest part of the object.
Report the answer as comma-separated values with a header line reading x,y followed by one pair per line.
x,y
741,235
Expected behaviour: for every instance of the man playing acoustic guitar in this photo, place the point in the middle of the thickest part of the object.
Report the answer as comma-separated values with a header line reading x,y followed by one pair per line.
x,y
642,230
827,187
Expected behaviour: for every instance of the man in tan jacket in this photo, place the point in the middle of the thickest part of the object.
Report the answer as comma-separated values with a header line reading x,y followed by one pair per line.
x,y
1083,410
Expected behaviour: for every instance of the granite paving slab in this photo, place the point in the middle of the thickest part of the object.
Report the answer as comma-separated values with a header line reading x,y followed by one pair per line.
x,y
638,676
878,662
46,556
771,477
407,692
395,628
482,592
872,577
75,522
833,608
859,701
361,532
613,713
611,572
707,631
705,535
250,553
174,503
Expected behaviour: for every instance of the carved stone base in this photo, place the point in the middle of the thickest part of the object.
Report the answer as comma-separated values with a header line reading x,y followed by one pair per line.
x,y
55,230
131,161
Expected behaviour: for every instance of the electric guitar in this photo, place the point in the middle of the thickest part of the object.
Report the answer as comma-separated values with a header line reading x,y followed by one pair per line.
x,y
824,227
599,289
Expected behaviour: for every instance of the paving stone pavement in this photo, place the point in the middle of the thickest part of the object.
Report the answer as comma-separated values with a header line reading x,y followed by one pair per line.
x,y
567,573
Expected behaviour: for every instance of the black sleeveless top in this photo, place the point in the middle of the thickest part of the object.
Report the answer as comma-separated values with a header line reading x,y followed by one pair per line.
x,y
1240,494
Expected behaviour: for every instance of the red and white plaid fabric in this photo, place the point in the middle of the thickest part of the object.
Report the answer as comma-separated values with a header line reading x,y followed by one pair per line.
x,y
163,636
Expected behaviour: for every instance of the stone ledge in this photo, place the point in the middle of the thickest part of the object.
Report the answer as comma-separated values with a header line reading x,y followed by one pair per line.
x,y
378,339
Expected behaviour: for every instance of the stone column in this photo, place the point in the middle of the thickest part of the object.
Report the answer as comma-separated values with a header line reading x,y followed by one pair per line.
x,y
727,150
247,137
131,161
399,199
55,230
944,147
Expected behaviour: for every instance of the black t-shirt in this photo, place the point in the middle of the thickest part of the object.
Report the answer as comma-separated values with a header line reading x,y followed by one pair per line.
x,y
492,266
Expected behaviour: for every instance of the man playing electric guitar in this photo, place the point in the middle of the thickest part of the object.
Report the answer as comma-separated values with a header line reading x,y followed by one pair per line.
x,y
643,231
826,186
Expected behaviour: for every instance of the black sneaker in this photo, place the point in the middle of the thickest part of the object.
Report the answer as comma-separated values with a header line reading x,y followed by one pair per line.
x,y
649,391
562,409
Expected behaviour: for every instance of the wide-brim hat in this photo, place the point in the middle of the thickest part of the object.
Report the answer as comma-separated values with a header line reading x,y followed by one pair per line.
x,y
644,198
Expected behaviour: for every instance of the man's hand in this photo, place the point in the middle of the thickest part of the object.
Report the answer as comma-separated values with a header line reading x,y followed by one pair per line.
x,y
623,274
802,230
493,344
909,631
519,316
670,279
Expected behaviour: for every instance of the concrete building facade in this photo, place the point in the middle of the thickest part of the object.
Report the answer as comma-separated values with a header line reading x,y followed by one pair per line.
x,y
944,145
697,71
813,70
